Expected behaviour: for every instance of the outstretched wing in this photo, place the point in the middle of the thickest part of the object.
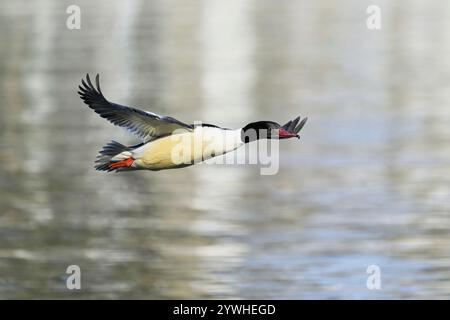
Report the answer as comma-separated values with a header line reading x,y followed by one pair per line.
x,y
147,125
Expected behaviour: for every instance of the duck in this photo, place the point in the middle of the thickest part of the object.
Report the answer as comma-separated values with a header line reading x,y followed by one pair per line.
x,y
167,143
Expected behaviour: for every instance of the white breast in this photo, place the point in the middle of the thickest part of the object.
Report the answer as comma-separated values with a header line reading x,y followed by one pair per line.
x,y
216,141
187,148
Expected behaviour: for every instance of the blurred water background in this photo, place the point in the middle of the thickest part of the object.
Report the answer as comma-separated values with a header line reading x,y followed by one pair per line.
x,y
368,183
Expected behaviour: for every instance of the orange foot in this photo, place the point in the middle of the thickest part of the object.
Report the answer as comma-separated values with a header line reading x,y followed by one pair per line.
x,y
122,163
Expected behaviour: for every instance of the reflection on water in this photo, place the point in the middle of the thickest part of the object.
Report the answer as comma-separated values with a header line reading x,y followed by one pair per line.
x,y
369,182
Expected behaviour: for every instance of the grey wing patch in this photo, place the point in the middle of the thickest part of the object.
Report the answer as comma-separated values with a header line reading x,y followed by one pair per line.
x,y
147,125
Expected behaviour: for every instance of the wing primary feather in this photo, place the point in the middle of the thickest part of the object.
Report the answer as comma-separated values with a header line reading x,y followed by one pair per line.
x,y
293,124
97,82
286,125
146,125
300,126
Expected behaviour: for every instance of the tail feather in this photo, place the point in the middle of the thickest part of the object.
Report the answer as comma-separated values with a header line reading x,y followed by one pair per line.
x,y
112,155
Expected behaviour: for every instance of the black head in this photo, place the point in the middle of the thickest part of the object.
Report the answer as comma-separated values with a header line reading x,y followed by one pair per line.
x,y
271,130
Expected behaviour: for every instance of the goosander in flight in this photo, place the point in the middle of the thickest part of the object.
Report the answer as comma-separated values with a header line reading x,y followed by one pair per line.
x,y
163,135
